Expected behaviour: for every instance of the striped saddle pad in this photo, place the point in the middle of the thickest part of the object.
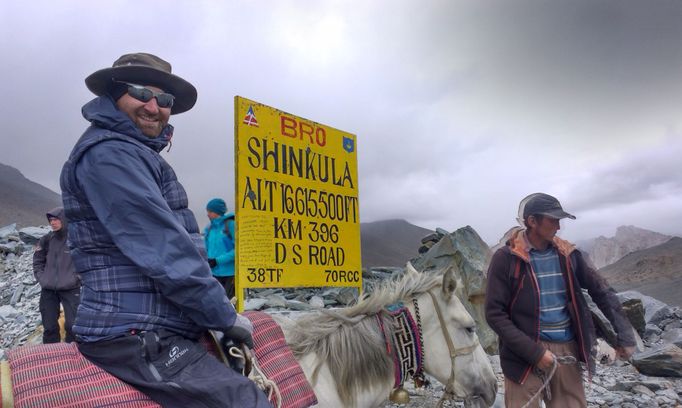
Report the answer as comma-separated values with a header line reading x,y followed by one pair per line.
x,y
57,375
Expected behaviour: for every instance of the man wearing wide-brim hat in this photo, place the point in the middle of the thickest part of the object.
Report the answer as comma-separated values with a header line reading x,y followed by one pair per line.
x,y
148,293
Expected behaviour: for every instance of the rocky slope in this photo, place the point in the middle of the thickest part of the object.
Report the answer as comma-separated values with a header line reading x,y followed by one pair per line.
x,y
656,271
22,201
605,251
389,242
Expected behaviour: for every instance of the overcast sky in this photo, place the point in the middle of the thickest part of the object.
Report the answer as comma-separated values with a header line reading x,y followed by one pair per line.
x,y
461,108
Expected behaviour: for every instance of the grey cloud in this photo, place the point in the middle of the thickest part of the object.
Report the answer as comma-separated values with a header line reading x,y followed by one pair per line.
x,y
461,108
642,176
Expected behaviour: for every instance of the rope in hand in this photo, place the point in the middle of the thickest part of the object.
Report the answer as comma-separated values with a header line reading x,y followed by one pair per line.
x,y
555,363
256,375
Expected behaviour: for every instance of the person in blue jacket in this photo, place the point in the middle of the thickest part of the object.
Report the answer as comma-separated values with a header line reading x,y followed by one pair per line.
x,y
219,240
147,291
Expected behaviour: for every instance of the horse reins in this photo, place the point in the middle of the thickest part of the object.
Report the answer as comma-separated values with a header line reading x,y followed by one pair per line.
x,y
449,392
546,379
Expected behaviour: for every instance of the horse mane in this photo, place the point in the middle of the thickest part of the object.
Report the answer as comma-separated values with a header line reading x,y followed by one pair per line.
x,y
350,341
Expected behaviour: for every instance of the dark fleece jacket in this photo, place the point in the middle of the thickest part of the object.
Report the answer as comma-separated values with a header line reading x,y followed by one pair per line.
x,y
513,308
52,264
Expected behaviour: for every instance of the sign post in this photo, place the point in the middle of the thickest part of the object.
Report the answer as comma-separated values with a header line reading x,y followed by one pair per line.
x,y
297,209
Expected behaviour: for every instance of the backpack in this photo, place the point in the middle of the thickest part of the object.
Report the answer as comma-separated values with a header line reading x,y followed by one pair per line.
x,y
514,265
229,241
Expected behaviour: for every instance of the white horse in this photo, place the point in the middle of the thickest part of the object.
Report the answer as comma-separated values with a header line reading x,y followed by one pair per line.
x,y
349,356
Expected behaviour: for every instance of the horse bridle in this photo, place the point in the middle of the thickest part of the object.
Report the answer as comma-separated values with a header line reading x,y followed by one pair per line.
x,y
454,351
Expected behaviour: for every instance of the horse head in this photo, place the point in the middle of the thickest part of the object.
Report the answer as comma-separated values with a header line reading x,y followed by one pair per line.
x,y
452,353
354,357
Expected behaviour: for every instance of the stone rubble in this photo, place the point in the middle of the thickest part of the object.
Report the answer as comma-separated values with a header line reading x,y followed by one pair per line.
x,y
19,292
615,385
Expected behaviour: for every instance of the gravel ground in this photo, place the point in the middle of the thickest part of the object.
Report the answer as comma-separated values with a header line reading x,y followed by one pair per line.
x,y
19,321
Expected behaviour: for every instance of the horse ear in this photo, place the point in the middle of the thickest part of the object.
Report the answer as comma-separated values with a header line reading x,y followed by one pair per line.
x,y
410,269
449,283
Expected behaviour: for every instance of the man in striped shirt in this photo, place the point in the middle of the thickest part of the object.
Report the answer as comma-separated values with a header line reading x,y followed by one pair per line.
x,y
534,303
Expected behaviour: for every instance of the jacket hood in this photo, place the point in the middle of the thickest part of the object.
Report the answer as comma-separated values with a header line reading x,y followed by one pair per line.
x,y
102,112
518,244
57,212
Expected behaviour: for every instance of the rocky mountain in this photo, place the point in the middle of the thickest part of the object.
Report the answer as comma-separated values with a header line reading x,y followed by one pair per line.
x,y
23,201
605,251
655,271
390,242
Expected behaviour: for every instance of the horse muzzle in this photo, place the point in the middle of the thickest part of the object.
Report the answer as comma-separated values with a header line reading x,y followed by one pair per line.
x,y
483,396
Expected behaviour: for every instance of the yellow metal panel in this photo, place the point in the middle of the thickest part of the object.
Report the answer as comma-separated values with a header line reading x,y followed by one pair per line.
x,y
297,209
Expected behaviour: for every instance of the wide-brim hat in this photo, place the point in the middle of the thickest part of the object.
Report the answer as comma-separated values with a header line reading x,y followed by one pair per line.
x,y
145,69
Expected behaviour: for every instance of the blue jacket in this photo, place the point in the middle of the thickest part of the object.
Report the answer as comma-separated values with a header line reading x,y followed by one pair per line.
x,y
219,245
133,240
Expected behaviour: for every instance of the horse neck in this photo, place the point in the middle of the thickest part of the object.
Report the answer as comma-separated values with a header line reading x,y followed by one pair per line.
x,y
381,386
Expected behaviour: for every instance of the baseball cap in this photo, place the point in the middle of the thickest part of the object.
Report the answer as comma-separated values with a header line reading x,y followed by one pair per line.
x,y
543,204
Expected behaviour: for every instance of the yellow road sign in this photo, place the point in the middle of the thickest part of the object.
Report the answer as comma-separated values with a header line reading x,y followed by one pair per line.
x,y
297,209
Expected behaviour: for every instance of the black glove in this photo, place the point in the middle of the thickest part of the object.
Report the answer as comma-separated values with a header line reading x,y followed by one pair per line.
x,y
212,263
241,331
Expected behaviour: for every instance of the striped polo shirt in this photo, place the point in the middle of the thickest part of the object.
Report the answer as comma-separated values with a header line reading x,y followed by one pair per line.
x,y
555,321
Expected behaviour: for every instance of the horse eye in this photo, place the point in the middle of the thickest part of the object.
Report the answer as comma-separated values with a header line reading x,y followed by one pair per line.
x,y
471,329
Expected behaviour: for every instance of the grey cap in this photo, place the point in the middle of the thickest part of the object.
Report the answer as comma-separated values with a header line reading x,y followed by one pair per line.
x,y
543,204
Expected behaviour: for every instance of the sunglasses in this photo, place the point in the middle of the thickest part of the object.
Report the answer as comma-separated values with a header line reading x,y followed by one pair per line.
x,y
142,94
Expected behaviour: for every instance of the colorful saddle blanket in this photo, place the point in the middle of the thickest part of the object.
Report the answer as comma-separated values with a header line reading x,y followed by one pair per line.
x,y
57,375
278,363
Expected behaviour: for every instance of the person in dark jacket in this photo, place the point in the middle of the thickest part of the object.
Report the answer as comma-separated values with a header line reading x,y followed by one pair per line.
x,y
219,240
148,293
59,282
534,303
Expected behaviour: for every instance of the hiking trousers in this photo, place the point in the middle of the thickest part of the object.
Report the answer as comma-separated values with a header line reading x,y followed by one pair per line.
x,y
49,313
228,283
566,387
174,371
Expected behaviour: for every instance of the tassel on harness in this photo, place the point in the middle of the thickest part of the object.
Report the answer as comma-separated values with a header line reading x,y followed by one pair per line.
x,y
6,385
242,360
256,375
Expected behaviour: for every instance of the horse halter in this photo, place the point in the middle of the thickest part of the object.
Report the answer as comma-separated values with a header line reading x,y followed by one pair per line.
x,y
416,367
449,392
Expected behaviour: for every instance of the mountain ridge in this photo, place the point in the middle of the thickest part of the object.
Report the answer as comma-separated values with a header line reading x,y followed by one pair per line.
x,y
604,251
23,201
655,271
390,242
